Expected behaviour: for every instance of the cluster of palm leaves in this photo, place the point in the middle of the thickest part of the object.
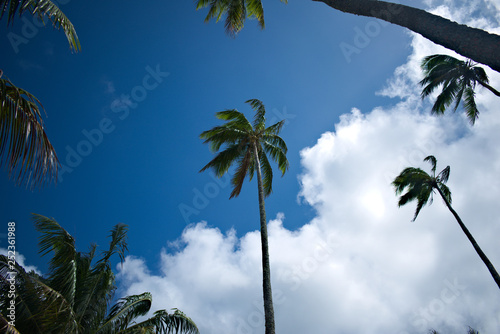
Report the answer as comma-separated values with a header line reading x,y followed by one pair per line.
x,y
24,146
458,79
76,294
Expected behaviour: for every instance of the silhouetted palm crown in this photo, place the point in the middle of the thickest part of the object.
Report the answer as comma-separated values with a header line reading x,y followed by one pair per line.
x,y
420,185
239,137
236,12
458,78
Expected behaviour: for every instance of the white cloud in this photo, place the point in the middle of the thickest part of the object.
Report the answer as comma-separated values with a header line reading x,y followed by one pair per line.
x,y
360,266
21,260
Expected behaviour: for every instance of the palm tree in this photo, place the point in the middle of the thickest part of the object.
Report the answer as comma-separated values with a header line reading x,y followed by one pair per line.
x,y
473,43
458,78
246,146
76,294
420,187
24,146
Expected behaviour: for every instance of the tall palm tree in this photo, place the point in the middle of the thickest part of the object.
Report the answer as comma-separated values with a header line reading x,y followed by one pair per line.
x,y
420,186
76,294
473,43
458,78
247,146
24,146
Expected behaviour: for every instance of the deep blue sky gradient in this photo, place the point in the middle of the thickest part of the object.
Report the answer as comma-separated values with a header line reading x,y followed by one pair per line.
x,y
148,165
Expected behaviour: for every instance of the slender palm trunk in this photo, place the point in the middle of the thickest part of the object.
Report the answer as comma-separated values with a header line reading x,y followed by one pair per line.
x,y
478,249
491,89
472,43
266,267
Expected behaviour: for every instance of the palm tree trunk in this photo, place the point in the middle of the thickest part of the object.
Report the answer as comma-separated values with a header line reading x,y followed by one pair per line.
x,y
472,43
491,89
266,267
478,249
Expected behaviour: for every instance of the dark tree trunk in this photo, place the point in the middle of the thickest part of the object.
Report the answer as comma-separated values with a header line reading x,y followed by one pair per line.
x,y
266,267
472,43
478,249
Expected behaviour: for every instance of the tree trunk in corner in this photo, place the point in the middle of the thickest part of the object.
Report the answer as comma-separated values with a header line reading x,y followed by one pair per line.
x,y
478,249
475,44
266,267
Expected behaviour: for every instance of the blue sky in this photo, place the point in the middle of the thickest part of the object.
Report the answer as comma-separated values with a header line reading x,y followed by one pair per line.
x,y
143,164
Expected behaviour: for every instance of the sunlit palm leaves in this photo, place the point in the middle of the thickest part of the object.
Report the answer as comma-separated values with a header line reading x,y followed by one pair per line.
x,y
24,146
41,8
235,11
458,79
75,295
240,137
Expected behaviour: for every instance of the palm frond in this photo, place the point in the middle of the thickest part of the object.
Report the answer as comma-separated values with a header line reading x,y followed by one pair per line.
x,y
62,266
470,105
42,8
443,175
125,311
259,121
433,161
223,160
24,146
164,323
241,172
267,174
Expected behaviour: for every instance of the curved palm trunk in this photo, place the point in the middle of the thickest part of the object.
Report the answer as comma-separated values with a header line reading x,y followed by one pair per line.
x,y
491,89
472,43
266,267
478,249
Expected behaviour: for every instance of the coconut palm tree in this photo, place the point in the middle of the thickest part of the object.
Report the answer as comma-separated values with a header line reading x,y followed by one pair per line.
x,y
24,146
458,78
247,146
473,43
420,187
76,294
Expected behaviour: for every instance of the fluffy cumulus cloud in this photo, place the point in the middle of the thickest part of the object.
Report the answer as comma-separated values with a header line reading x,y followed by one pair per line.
x,y
361,265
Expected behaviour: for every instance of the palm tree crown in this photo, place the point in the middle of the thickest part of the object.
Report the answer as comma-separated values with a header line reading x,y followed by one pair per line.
x,y
236,12
76,294
421,185
458,78
241,138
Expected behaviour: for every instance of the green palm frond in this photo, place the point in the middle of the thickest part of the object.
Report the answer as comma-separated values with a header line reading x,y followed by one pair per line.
x,y
125,311
243,166
267,173
458,79
433,161
24,146
164,323
235,11
41,8
62,265
223,160
259,120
